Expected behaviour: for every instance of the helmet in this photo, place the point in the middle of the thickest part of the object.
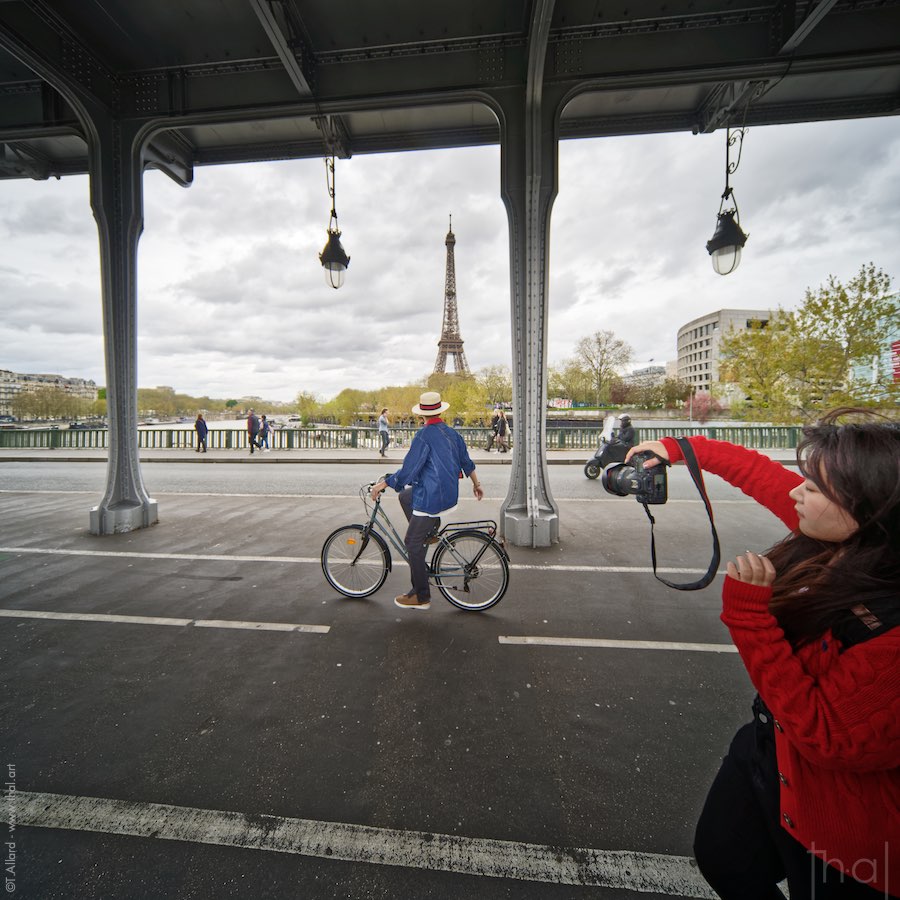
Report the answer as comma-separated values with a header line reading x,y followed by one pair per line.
x,y
625,419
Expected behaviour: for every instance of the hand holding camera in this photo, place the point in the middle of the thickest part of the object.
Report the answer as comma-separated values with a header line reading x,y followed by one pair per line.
x,y
634,476
642,475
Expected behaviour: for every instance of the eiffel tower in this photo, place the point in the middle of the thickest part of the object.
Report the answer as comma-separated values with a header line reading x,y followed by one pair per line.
x,y
451,343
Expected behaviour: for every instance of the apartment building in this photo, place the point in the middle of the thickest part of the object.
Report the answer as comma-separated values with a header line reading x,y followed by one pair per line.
x,y
699,343
12,383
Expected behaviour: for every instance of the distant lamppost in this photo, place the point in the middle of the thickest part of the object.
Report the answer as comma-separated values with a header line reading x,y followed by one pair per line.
x,y
333,258
728,239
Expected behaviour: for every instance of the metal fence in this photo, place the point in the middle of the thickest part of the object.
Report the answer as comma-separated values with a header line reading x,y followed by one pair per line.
x,y
760,437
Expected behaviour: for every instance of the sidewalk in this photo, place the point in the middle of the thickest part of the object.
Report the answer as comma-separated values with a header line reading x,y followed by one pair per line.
x,y
364,456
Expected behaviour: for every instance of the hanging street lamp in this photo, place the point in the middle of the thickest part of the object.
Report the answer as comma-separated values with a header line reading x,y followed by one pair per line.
x,y
333,258
728,239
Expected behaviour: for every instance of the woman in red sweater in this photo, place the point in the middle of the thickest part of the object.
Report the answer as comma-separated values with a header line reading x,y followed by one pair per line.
x,y
810,789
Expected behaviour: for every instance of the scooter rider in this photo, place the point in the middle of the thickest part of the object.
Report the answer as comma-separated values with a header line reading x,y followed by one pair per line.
x,y
627,434
614,448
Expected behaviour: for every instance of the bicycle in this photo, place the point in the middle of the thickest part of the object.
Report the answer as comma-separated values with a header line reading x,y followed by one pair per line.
x,y
469,566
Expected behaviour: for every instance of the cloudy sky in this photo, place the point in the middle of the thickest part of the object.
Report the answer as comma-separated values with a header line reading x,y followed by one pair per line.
x,y
233,302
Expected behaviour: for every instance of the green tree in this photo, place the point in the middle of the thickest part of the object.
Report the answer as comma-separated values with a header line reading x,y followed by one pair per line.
x,y
754,361
654,393
803,362
496,382
48,402
839,328
308,407
344,408
570,381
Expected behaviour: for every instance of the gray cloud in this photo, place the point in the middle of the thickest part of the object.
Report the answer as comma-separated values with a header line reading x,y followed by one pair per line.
x,y
232,299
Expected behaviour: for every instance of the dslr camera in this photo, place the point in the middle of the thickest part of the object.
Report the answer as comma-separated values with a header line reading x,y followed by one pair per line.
x,y
649,486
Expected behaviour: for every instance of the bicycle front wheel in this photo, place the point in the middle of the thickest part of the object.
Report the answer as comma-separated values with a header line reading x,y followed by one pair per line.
x,y
470,570
355,563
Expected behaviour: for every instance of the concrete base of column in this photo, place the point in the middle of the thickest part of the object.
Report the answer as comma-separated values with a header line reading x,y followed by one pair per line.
x,y
522,530
120,518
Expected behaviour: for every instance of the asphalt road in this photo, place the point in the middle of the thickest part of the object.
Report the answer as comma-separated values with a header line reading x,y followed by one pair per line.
x,y
322,479
163,727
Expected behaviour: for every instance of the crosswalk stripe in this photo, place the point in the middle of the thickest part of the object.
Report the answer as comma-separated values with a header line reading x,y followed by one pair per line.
x,y
674,876
161,620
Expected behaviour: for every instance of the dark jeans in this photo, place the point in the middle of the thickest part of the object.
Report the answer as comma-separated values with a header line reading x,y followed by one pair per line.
x,y
740,846
419,530
385,440
254,440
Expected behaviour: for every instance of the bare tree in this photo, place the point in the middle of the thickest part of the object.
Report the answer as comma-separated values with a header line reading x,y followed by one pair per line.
x,y
603,356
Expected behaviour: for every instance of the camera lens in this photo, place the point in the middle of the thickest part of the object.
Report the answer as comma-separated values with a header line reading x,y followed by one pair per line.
x,y
620,480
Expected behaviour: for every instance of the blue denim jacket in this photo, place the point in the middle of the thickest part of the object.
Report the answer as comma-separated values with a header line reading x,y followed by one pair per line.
x,y
432,466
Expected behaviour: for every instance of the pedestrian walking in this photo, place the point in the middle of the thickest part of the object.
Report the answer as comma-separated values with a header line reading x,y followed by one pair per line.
x,y
384,433
503,432
495,428
265,429
428,484
253,431
202,430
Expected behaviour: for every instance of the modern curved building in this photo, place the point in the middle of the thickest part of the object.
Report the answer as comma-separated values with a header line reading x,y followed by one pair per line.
x,y
700,340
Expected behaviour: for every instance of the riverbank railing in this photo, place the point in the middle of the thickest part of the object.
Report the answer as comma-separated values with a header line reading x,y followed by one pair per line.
x,y
759,437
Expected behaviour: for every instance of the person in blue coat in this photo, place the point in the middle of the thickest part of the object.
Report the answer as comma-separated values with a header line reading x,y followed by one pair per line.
x,y
201,428
428,484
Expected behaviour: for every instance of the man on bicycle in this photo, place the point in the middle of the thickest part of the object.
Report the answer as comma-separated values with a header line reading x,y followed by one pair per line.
x,y
428,484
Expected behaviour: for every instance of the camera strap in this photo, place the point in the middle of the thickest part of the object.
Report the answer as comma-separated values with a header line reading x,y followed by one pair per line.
x,y
696,473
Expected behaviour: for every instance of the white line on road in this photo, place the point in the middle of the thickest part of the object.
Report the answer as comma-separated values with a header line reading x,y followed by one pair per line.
x,y
156,494
674,876
307,560
635,570
160,620
201,557
194,494
613,644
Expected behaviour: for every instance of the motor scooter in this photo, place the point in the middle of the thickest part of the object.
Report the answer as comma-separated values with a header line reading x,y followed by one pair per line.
x,y
609,451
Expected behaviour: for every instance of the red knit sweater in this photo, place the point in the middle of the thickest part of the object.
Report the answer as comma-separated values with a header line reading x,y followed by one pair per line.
x,y
837,715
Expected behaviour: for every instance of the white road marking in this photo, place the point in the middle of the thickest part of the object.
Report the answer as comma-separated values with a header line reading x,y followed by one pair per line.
x,y
157,494
636,570
307,560
674,876
197,557
192,494
160,620
613,644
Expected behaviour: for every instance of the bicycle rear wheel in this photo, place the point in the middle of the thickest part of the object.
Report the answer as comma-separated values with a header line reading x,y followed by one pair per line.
x,y
470,570
355,563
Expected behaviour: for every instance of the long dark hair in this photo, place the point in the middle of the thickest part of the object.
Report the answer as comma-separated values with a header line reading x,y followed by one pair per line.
x,y
857,466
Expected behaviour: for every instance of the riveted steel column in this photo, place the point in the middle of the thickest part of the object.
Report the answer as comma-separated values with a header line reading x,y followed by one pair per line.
x,y
116,199
42,42
529,516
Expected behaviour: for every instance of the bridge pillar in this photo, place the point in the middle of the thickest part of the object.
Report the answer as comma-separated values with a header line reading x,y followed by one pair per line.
x,y
528,151
116,173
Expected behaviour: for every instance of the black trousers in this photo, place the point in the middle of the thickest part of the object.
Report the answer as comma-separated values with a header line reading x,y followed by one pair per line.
x,y
419,530
740,846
